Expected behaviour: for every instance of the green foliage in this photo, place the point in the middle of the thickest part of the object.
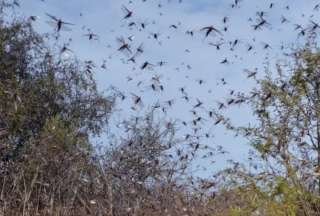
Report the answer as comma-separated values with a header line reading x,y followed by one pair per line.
x,y
36,86
49,109
286,140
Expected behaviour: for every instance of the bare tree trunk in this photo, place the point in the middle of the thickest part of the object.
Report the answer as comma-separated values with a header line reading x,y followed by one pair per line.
x,y
317,103
318,153
110,198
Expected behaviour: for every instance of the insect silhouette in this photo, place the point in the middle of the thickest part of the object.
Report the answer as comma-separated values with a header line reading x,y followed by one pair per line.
x,y
58,23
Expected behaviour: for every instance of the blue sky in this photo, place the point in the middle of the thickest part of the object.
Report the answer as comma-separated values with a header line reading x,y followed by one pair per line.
x,y
188,59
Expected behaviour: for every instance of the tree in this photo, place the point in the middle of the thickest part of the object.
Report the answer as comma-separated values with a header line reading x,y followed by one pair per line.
x,y
36,86
285,136
141,173
49,108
